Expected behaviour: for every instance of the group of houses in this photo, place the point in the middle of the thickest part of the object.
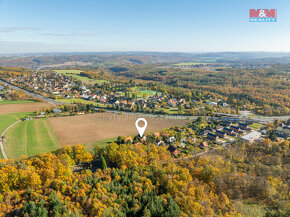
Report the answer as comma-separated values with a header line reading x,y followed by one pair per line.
x,y
175,146
51,83
3,92
283,131
228,129
58,85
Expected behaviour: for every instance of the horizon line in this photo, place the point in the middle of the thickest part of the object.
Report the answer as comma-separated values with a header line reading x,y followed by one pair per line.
x,y
140,51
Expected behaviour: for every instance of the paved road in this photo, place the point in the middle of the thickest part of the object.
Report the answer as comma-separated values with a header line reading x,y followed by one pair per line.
x,y
258,118
109,111
173,117
255,117
1,142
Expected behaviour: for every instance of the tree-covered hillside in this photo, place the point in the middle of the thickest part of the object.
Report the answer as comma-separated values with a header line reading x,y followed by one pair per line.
x,y
142,179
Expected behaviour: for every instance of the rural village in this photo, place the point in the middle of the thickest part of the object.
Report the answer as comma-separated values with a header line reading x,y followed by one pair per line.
x,y
144,108
79,98
116,96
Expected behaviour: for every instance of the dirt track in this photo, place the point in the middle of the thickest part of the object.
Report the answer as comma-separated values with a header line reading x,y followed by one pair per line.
x,y
25,107
86,129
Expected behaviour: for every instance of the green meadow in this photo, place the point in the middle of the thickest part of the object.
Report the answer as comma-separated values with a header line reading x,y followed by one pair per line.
x,y
141,93
76,74
79,100
7,119
29,138
255,126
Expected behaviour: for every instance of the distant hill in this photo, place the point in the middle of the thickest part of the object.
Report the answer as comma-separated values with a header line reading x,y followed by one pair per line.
x,y
111,59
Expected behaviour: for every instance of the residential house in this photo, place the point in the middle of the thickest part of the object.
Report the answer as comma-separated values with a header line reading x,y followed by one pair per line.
x,y
228,131
128,139
243,126
157,134
55,110
236,129
283,132
204,132
86,97
212,136
221,134
243,132
173,150
171,139
160,142
81,113
224,104
228,123
212,103
203,145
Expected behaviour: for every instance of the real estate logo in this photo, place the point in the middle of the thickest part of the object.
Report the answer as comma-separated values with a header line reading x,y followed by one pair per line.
x,y
263,15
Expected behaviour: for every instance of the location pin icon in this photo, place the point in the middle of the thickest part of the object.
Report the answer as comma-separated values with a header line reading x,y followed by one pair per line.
x,y
141,130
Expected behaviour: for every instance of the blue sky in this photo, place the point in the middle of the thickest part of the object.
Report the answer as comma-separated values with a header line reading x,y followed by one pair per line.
x,y
141,25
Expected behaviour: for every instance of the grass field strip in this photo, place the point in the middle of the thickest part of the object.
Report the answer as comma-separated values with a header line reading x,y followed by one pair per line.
x,y
1,143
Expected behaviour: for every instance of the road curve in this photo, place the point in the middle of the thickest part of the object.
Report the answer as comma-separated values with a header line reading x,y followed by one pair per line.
x,y
1,142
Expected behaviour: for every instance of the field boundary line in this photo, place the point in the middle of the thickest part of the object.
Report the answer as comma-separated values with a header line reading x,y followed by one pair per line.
x,y
1,142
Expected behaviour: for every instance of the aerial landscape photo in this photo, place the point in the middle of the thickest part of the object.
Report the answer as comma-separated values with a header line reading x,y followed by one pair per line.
x,y
144,108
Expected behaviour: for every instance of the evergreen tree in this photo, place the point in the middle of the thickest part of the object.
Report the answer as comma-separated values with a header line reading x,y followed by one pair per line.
x,y
34,210
103,164
199,119
156,207
273,136
172,209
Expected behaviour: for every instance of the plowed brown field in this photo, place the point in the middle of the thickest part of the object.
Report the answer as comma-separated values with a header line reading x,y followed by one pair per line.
x,y
87,129
25,107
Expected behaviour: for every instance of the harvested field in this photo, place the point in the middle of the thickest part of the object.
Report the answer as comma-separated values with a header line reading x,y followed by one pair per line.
x,y
25,107
86,129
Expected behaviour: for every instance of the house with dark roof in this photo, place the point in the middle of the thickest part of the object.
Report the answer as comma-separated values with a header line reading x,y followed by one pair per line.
x,y
228,131
221,134
173,150
243,126
228,123
236,129
212,136
283,132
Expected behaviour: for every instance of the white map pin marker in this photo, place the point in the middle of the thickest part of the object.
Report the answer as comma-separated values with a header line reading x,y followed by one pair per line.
x,y
141,130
